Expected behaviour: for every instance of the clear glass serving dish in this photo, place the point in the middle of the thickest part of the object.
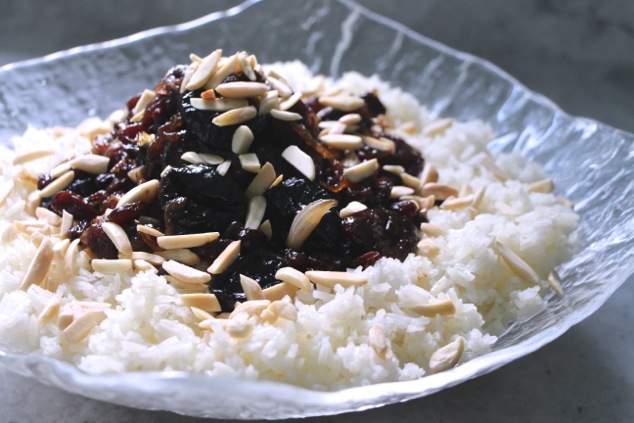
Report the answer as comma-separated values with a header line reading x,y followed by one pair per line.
x,y
592,164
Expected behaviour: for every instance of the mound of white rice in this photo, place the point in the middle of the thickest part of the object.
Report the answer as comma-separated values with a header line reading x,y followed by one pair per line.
x,y
328,346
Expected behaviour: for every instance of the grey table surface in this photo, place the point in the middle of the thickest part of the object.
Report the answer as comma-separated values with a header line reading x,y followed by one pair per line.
x,y
577,53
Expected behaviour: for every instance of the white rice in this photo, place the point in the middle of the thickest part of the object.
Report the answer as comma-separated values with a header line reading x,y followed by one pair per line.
x,y
327,348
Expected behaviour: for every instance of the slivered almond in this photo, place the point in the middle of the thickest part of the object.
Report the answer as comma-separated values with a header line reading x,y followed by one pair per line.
x,y
395,169
212,159
30,156
246,67
555,282
279,291
437,127
136,174
83,325
219,104
277,181
66,224
376,340
91,163
305,222
173,242
5,191
262,181
249,162
268,102
478,196
250,307
294,277
545,186
346,103
284,310
191,157
111,266
60,248
185,287
342,141
443,308
300,160
223,167
432,230
241,140
353,207
239,328
47,215
118,237
144,100
439,191
381,144
291,101
33,201
195,58
8,233
285,115
399,190
60,169
330,279
517,264
427,247
266,228
149,230
201,314
278,85
251,288
224,70
208,95
181,255
429,174
255,212
411,181
140,265
452,203
204,71
70,259
189,72
50,310
146,192
39,266
186,273
361,171
350,119
206,302
149,257
58,184
225,259
447,357
241,89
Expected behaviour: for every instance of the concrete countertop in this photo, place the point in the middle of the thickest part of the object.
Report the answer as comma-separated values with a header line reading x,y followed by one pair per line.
x,y
576,53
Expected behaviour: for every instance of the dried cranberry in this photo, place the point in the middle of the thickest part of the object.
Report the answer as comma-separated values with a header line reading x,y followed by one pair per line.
x,y
127,212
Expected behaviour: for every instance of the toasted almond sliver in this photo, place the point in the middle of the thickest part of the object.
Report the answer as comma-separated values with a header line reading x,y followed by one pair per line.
x,y
225,259
399,190
291,101
478,196
352,208
279,291
140,265
144,100
219,104
427,247
118,237
70,259
172,242
149,230
262,181
146,192
285,115
206,302
136,174
204,71
381,144
284,310
517,264
83,325
242,139
439,191
437,127
266,228
60,248
58,184
186,273
411,181
432,230
255,212
350,119
60,169
186,287
396,169
250,307
181,255
443,308
447,357
239,328
241,89
305,222
208,95
278,85
246,67
300,160
376,339
555,282
224,69
294,277
330,279
544,186
5,191
50,310
346,103
268,103
30,156
361,171
149,257
249,162
429,174
452,203
111,266
251,288
47,215
200,314
342,141
40,264
91,163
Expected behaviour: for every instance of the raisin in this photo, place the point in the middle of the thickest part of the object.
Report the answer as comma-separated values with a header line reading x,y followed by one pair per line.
x,y
74,204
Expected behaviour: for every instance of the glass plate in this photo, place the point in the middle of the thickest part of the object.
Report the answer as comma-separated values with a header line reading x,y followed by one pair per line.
x,y
592,164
